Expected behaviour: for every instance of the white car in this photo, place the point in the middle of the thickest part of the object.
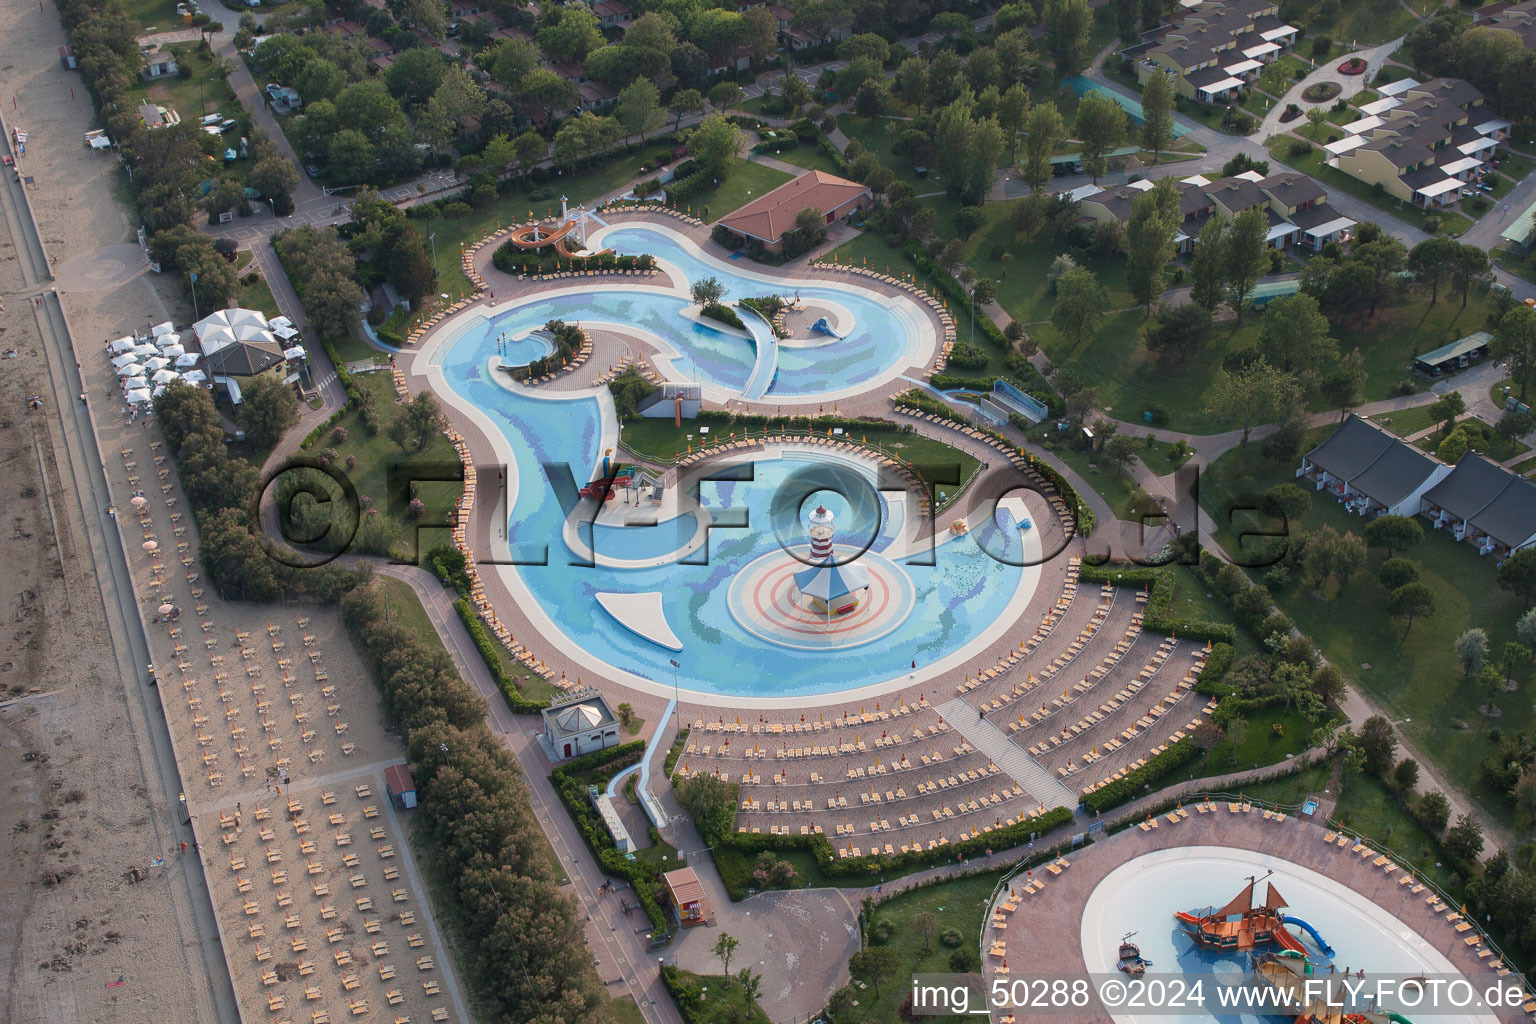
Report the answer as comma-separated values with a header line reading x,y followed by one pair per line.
x,y
253,3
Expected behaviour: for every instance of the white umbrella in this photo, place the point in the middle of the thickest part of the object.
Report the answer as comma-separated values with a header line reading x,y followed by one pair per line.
x,y
138,396
118,362
172,351
194,376
157,363
159,390
285,333
159,329
167,340
129,383
121,345
186,359
279,321
146,349
164,376
297,352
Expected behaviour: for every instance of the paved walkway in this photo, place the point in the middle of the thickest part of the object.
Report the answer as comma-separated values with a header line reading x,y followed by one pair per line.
x,y
1349,85
986,737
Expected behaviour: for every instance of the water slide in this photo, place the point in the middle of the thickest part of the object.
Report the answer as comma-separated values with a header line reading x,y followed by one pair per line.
x,y
1316,937
767,345
524,238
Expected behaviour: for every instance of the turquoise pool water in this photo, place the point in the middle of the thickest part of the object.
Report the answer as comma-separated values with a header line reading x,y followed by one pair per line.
x,y
957,599
1132,106
639,543
1142,896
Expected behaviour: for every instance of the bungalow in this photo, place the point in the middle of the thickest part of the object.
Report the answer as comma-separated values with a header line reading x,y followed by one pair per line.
x,y
1214,48
769,217
1372,471
613,13
1484,503
595,95
155,116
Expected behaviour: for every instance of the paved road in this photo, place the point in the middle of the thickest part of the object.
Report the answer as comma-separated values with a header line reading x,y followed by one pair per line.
x,y
80,460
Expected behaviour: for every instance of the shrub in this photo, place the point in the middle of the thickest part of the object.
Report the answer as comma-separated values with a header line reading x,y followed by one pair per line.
x,y
951,937
882,932
724,314
455,210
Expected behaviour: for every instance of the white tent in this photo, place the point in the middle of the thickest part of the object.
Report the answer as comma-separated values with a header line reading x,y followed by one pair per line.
x,y
157,363
121,345
130,383
297,352
186,359
145,349
126,359
286,333
138,396
159,329
167,340
279,321
173,351
164,376
159,390
194,376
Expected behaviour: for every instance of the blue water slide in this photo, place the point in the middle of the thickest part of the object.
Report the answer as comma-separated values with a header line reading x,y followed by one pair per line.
x,y
1316,937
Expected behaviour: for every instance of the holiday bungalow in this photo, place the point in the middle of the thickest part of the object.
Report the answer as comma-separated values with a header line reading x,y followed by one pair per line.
x,y
1372,471
1482,502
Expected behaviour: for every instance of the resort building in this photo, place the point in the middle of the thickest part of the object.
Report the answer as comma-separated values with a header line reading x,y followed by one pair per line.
x,y
1482,502
581,724
770,217
686,894
1371,471
1295,205
240,345
1517,18
1425,143
1214,49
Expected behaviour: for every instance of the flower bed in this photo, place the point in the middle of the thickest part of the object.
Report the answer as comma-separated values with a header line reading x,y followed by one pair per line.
x,y
1321,92
1353,66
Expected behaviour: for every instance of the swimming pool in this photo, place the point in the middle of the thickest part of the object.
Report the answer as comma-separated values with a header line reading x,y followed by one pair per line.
x,y
958,605
1143,894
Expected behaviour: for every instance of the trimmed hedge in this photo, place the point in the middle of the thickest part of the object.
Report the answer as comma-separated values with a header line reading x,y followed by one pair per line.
x,y
1129,786
487,648
1159,616
643,876
724,314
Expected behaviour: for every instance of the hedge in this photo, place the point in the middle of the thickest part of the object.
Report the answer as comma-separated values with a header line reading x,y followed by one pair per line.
x,y
682,189
1129,786
487,648
643,876
1159,615
724,314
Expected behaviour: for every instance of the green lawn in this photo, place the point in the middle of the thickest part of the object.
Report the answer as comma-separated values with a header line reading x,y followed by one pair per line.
x,y
1499,449
744,182
354,347
154,15
257,295
1192,600
623,1010
1520,264
1452,223
1163,457
725,1002
1361,24
1280,75
205,92
1113,483
960,904
1405,422
1415,677
1273,734
809,157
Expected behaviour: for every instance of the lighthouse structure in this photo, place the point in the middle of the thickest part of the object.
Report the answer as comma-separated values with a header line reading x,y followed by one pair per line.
x,y
829,589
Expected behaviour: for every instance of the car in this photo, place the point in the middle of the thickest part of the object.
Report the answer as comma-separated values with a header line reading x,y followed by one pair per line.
x,y
228,125
273,90
213,118
253,3
312,170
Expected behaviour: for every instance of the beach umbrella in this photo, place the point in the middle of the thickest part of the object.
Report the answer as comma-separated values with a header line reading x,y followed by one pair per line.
x,y
135,381
173,351
126,359
144,349
166,609
149,545
159,330
138,396
165,341
139,501
194,376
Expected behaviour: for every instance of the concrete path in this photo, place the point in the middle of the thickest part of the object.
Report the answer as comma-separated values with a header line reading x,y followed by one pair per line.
x,y
1349,85
986,737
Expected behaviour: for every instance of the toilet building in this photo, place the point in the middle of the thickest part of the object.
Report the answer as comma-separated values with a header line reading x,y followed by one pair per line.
x,y
579,726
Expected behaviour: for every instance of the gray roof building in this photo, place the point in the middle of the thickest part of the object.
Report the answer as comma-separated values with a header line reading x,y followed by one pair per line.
x,y
1350,450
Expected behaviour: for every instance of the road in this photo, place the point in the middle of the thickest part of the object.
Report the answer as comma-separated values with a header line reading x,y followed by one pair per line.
x,y
80,458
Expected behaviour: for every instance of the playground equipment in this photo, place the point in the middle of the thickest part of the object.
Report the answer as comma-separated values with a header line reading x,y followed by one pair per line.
x,y
821,326
1322,944
536,236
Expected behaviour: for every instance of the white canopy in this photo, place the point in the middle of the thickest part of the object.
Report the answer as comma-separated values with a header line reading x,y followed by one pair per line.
x,y
1341,146
1398,87
284,332
136,381
138,396
194,376
159,329
1498,124
1466,163
145,349
1270,35
297,352
186,359
1262,50
126,359
157,363
1381,106
167,340
1324,230
164,376
1364,125
1221,86
121,345
173,351
279,321
1477,146
1440,188
1242,67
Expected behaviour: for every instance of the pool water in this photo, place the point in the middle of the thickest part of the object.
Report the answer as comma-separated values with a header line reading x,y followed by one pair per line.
x,y
960,600
1143,894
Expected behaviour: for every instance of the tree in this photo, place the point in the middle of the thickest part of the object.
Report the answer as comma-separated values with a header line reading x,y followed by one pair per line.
x,y
267,409
1525,629
275,178
1453,447
725,948
1433,811
1068,25
925,926
1397,572
707,291
1472,651
1294,334
1446,408
1080,305
1343,387
1470,264
639,111
546,91
1518,574
1042,128
1406,774
1245,257
1206,269
685,101
575,34
1256,393
1432,261
874,963
872,99
714,144
410,265
1099,126
1121,450
1411,601
968,219
1395,533
1463,840
1178,331
1157,114
416,74
1149,241
1514,344
725,95
1385,257
1379,743
1013,115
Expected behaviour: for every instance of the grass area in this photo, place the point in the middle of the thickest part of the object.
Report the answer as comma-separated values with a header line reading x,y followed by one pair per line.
x,y
1500,447
809,157
1281,74
355,348
1191,600
155,15
1452,223
205,92
1405,422
1515,262
744,182
1113,483
658,440
255,295
380,463
725,1003
1415,676
1164,457
623,1010
1361,24
1273,734
959,904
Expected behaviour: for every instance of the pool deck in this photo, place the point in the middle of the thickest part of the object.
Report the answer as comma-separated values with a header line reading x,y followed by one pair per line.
x,y
1042,933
